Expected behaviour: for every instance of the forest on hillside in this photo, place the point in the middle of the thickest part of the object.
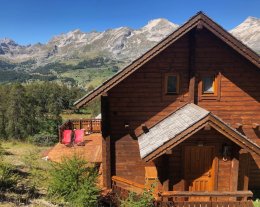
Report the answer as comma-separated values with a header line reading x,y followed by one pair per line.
x,y
34,108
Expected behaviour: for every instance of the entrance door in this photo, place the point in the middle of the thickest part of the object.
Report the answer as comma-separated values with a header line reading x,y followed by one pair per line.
x,y
198,168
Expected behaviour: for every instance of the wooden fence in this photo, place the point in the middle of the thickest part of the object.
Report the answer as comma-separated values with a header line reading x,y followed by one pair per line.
x,y
90,126
121,187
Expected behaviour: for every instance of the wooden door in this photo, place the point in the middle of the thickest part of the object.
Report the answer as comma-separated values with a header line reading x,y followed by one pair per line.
x,y
198,168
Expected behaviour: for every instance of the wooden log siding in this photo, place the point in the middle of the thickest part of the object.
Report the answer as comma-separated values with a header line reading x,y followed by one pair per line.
x,y
138,99
90,126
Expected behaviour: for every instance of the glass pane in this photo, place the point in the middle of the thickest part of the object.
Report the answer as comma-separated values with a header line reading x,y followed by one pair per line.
x,y
172,84
208,84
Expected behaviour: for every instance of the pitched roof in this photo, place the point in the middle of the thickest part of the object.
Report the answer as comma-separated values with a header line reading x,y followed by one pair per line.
x,y
180,125
167,129
199,19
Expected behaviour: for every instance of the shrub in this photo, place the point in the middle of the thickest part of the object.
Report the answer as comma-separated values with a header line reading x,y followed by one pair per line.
x,y
44,139
134,200
75,182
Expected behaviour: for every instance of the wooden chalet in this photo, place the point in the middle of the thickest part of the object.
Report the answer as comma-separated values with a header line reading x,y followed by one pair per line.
x,y
186,116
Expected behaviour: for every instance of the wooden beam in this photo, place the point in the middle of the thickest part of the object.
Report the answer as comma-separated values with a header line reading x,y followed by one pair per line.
x,y
209,193
106,162
234,174
192,78
105,124
238,125
207,127
200,25
256,126
106,155
244,160
166,182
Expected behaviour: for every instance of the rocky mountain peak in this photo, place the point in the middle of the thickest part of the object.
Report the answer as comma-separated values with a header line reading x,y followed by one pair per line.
x,y
159,23
249,32
121,43
8,41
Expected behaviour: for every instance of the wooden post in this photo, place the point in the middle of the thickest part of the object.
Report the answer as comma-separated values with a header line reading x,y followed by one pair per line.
x,y
192,78
106,155
244,170
80,124
166,179
151,175
106,162
234,174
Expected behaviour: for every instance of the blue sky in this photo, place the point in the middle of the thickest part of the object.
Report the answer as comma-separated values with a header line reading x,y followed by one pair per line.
x,y
31,21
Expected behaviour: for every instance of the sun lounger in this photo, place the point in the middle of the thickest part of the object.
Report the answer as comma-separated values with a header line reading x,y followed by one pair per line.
x,y
79,134
66,139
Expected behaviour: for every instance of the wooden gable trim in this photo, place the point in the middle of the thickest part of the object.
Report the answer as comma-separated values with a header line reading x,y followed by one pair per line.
x,y
200,20
234,136
214,123
124,73
233,42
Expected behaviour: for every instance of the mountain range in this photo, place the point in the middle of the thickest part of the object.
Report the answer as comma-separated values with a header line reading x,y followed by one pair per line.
x,y
87,58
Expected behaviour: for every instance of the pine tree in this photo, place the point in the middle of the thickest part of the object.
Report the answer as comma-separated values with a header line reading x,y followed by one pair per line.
x,y
16,112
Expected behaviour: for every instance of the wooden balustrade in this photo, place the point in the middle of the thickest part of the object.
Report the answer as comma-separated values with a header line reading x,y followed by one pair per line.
x,y
90,126
211,194
204,199
121,187
127,184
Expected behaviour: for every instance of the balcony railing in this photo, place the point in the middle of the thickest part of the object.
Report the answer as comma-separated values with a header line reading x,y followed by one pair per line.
x,y
121,187
205,199
89,125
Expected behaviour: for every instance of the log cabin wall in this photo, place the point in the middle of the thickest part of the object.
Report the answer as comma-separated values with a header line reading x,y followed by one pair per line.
x,y
140,98
222,169
239,90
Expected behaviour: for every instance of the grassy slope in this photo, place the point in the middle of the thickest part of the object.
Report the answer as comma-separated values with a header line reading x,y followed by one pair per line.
x,y
32,172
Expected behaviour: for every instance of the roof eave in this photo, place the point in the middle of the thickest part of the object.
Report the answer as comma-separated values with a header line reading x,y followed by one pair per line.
x,y
199,18
218,125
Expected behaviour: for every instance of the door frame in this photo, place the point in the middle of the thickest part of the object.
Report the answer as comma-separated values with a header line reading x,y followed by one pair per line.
x,y
214,166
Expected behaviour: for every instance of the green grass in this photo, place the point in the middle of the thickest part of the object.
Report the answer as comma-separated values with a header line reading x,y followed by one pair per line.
x,y
75,116
257,203
29,170
89,77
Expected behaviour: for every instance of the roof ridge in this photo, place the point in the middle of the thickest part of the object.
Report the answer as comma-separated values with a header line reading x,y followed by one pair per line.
x,y
209,24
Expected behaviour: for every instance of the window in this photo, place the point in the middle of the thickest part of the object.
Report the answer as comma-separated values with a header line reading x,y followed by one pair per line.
x,y
172,84
208,84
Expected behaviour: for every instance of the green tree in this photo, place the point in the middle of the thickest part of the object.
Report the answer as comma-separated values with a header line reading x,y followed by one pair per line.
x,y
75,181
16,112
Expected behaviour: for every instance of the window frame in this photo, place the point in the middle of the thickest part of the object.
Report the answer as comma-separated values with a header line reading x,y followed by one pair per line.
x,y
216,86
213,84
166,75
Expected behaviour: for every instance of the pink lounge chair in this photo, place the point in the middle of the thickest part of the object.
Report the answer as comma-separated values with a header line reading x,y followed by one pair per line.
x,y
66,139
79,134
